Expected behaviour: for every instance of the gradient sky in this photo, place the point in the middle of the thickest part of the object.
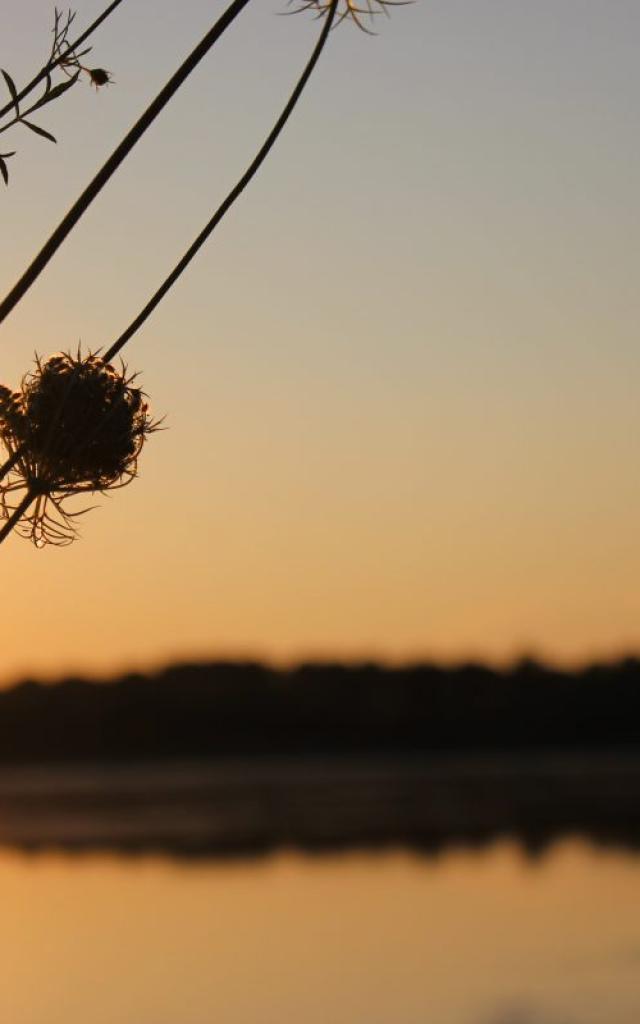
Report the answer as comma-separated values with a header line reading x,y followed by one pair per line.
x,y
400,383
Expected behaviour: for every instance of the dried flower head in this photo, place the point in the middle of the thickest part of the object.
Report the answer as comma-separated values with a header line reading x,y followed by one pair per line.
x,y
357,10
99,77
75,425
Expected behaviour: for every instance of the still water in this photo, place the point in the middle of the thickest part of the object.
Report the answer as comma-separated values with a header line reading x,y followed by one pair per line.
x,y
464,937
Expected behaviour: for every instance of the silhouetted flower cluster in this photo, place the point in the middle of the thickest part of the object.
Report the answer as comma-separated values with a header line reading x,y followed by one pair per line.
x,y
99,77
353,9
75,425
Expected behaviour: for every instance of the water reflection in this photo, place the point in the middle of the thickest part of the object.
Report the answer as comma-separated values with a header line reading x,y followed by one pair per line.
x,y
486,937
317,804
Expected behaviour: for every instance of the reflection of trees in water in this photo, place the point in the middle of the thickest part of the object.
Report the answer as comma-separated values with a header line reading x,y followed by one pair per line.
x,y
253,807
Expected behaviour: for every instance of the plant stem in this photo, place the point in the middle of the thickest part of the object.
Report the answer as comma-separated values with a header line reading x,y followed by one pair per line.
x,y
68,50
10,463
17,515
233,194
131,138
202,237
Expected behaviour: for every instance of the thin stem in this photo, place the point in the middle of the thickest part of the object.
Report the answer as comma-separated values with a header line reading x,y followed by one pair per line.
x,y
10,463
233,194
68,50
17,514
131,138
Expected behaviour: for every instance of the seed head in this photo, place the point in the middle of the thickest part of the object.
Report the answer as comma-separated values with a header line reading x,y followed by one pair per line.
x,y
78,425
99,77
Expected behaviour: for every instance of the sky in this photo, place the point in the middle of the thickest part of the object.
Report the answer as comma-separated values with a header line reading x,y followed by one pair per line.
x,y
400,381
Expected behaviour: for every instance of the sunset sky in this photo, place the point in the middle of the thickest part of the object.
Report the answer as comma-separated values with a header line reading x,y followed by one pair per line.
x,y
400,382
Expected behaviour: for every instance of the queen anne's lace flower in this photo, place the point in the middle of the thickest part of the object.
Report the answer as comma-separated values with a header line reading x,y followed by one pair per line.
x,y
360,11
76,425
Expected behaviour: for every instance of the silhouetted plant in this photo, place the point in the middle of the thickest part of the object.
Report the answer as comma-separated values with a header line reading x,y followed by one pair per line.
x,y
65,56
75,425
348,9
42,470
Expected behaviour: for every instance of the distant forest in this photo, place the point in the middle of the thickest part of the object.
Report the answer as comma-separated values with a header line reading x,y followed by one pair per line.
x,y
245,709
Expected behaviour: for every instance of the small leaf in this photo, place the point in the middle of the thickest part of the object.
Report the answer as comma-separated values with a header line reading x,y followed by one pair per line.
x,y
3,171
12,89
39,131
57,90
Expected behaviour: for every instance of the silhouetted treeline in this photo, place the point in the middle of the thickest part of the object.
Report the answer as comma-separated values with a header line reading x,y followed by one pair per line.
x,y
245,709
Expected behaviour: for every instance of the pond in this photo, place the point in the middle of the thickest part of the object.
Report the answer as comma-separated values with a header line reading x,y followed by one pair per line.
x,y
489,935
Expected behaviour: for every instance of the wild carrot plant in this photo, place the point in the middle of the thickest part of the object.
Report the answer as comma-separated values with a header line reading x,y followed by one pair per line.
x,y
65,56
76,424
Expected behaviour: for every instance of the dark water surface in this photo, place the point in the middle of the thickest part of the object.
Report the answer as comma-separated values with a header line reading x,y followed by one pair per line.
x,y
314,803
433,893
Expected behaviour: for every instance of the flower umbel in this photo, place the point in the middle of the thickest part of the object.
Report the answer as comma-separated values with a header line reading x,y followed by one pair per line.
x,y
357,10
99,77
75,425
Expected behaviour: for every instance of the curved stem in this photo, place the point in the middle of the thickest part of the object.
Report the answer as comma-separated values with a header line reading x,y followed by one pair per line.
x,y
131,138
68,50
17,514
233,194
199,241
